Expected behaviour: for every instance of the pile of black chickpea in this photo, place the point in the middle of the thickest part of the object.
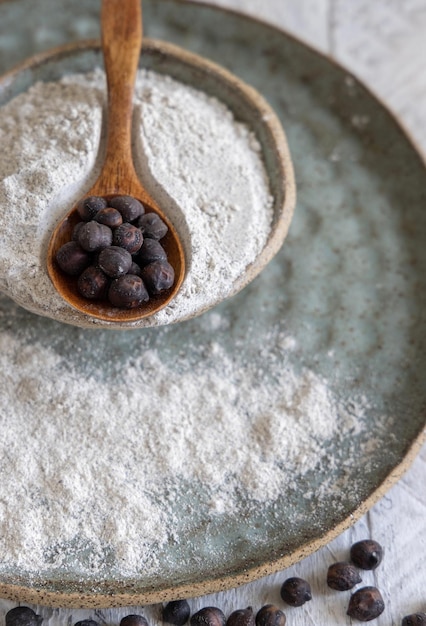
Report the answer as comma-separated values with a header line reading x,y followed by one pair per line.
x,y
116,252
364,605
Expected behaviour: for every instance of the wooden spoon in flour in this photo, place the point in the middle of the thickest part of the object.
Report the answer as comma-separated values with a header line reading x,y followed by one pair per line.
x,y
121,24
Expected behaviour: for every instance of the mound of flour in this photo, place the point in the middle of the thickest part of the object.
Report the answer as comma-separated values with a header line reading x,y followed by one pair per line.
x,y
201,165
110,457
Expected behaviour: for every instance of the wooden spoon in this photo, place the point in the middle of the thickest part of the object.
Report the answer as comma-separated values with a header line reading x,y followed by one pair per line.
x,y
121,44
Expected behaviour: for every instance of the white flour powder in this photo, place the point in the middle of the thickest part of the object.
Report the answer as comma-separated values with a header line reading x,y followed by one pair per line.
x,y
203,167
91,463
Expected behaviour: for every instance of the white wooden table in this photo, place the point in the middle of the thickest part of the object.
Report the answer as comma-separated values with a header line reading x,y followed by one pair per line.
x,y
383,43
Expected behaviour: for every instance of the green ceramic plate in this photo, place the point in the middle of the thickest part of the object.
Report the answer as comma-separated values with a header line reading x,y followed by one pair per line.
x,y
347,289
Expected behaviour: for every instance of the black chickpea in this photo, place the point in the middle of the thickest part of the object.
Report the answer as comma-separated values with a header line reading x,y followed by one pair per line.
x,y
270,615
128,292
94,237
158,276
208,616
176,612
415,619
76,230
241,617
134,620
366,554
130,208
89,207
152,226
342,576
296,591
135,269
72,259
128,237
110,217
93,283
366,604
115,261
22,616
151,251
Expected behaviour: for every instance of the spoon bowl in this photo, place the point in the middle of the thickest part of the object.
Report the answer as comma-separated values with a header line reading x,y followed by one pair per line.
x,y
66,285
246,104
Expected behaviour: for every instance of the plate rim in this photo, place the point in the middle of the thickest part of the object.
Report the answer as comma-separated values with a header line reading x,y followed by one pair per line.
x,y
130,595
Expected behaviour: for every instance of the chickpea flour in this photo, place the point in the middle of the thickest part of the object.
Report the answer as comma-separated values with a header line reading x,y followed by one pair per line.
x,y
200,164
113,444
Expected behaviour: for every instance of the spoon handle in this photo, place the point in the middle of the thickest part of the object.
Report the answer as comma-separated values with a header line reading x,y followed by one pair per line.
x,y
121,24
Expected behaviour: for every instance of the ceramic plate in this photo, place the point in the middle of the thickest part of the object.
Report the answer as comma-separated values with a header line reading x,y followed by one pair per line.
x,y
344,300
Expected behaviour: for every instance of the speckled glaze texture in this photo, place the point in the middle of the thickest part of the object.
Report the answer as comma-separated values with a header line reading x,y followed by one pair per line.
x,y
348,287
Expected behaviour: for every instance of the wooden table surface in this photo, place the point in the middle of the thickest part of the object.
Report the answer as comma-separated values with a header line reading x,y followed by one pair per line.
x,y
383,43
